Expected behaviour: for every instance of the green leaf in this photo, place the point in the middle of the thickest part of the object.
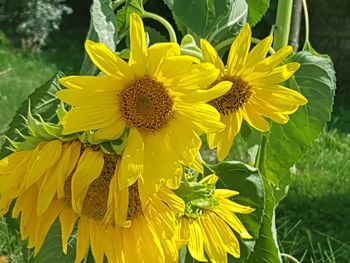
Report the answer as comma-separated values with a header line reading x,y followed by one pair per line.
x,y
102,29
42,101
288,143
266,248
51,251
256,10
123,15
102,17
248,182
154,36
214,20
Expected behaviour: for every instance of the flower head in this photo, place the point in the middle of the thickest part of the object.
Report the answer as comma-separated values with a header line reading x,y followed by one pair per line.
x,y
78,183
206,227
256,90
159,97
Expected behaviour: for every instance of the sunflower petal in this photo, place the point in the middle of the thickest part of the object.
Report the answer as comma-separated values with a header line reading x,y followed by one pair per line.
x,y
107,61
210,55
138,46
131,165
239,50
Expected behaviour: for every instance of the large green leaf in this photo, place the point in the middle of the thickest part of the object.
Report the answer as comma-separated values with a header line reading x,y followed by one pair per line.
x,y
42,101
287,143
266,249
256,10
51,251
249,183
102,29
214,20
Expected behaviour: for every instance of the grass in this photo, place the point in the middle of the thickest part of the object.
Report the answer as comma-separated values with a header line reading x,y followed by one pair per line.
x,y
314,217
313,221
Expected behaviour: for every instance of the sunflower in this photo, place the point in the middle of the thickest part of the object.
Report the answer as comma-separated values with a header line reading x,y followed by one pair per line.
x,y
78,184
206,227
159,96
256,91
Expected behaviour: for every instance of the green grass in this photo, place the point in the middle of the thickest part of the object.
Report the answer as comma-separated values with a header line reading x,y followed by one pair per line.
x,y
318,203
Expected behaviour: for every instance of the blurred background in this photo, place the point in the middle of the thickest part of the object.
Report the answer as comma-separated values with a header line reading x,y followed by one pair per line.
x,y
40,37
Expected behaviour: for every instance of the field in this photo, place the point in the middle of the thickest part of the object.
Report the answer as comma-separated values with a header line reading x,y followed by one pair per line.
x,y
313,221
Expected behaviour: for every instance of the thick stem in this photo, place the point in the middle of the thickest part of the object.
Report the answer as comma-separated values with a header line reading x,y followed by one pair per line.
x,y
164,22
282,26
295,25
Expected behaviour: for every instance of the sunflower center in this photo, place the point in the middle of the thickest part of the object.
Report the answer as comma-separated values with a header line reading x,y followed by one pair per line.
x,y
96,199
145,104
235,98
134,208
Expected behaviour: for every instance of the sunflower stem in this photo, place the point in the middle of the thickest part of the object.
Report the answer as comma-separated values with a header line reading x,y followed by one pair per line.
x,y
307,27
260,160
164,22
282,26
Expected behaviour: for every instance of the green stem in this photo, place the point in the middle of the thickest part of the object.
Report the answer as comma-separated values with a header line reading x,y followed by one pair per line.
x,y
282,26
306,17
164,22
117,3
260,160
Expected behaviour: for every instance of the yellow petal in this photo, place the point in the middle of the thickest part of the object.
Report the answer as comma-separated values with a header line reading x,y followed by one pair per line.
x,y
239,50
88,169
277,75
210,55
230,241
201,95
111,132
196,76
97,238
233,221
213,244
44,224
224,193
46,156
202,117
254,119
107,61
182,232
89,118
196,241
157,53
256,55
149,243
233,125
131,165
275,59
82,239
138,46
175,203
280,93
67,219
66,165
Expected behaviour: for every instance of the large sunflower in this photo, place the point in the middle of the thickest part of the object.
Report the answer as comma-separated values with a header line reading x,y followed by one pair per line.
x,y
206,227
79,184
159,95
256,91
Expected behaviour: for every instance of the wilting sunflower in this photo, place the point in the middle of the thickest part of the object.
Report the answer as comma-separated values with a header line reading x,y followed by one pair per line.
x,y
206,227
159,95
79,184
256,91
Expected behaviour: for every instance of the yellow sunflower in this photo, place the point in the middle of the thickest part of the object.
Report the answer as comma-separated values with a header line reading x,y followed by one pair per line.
x,y
79,184
159,95
207,229
256,91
